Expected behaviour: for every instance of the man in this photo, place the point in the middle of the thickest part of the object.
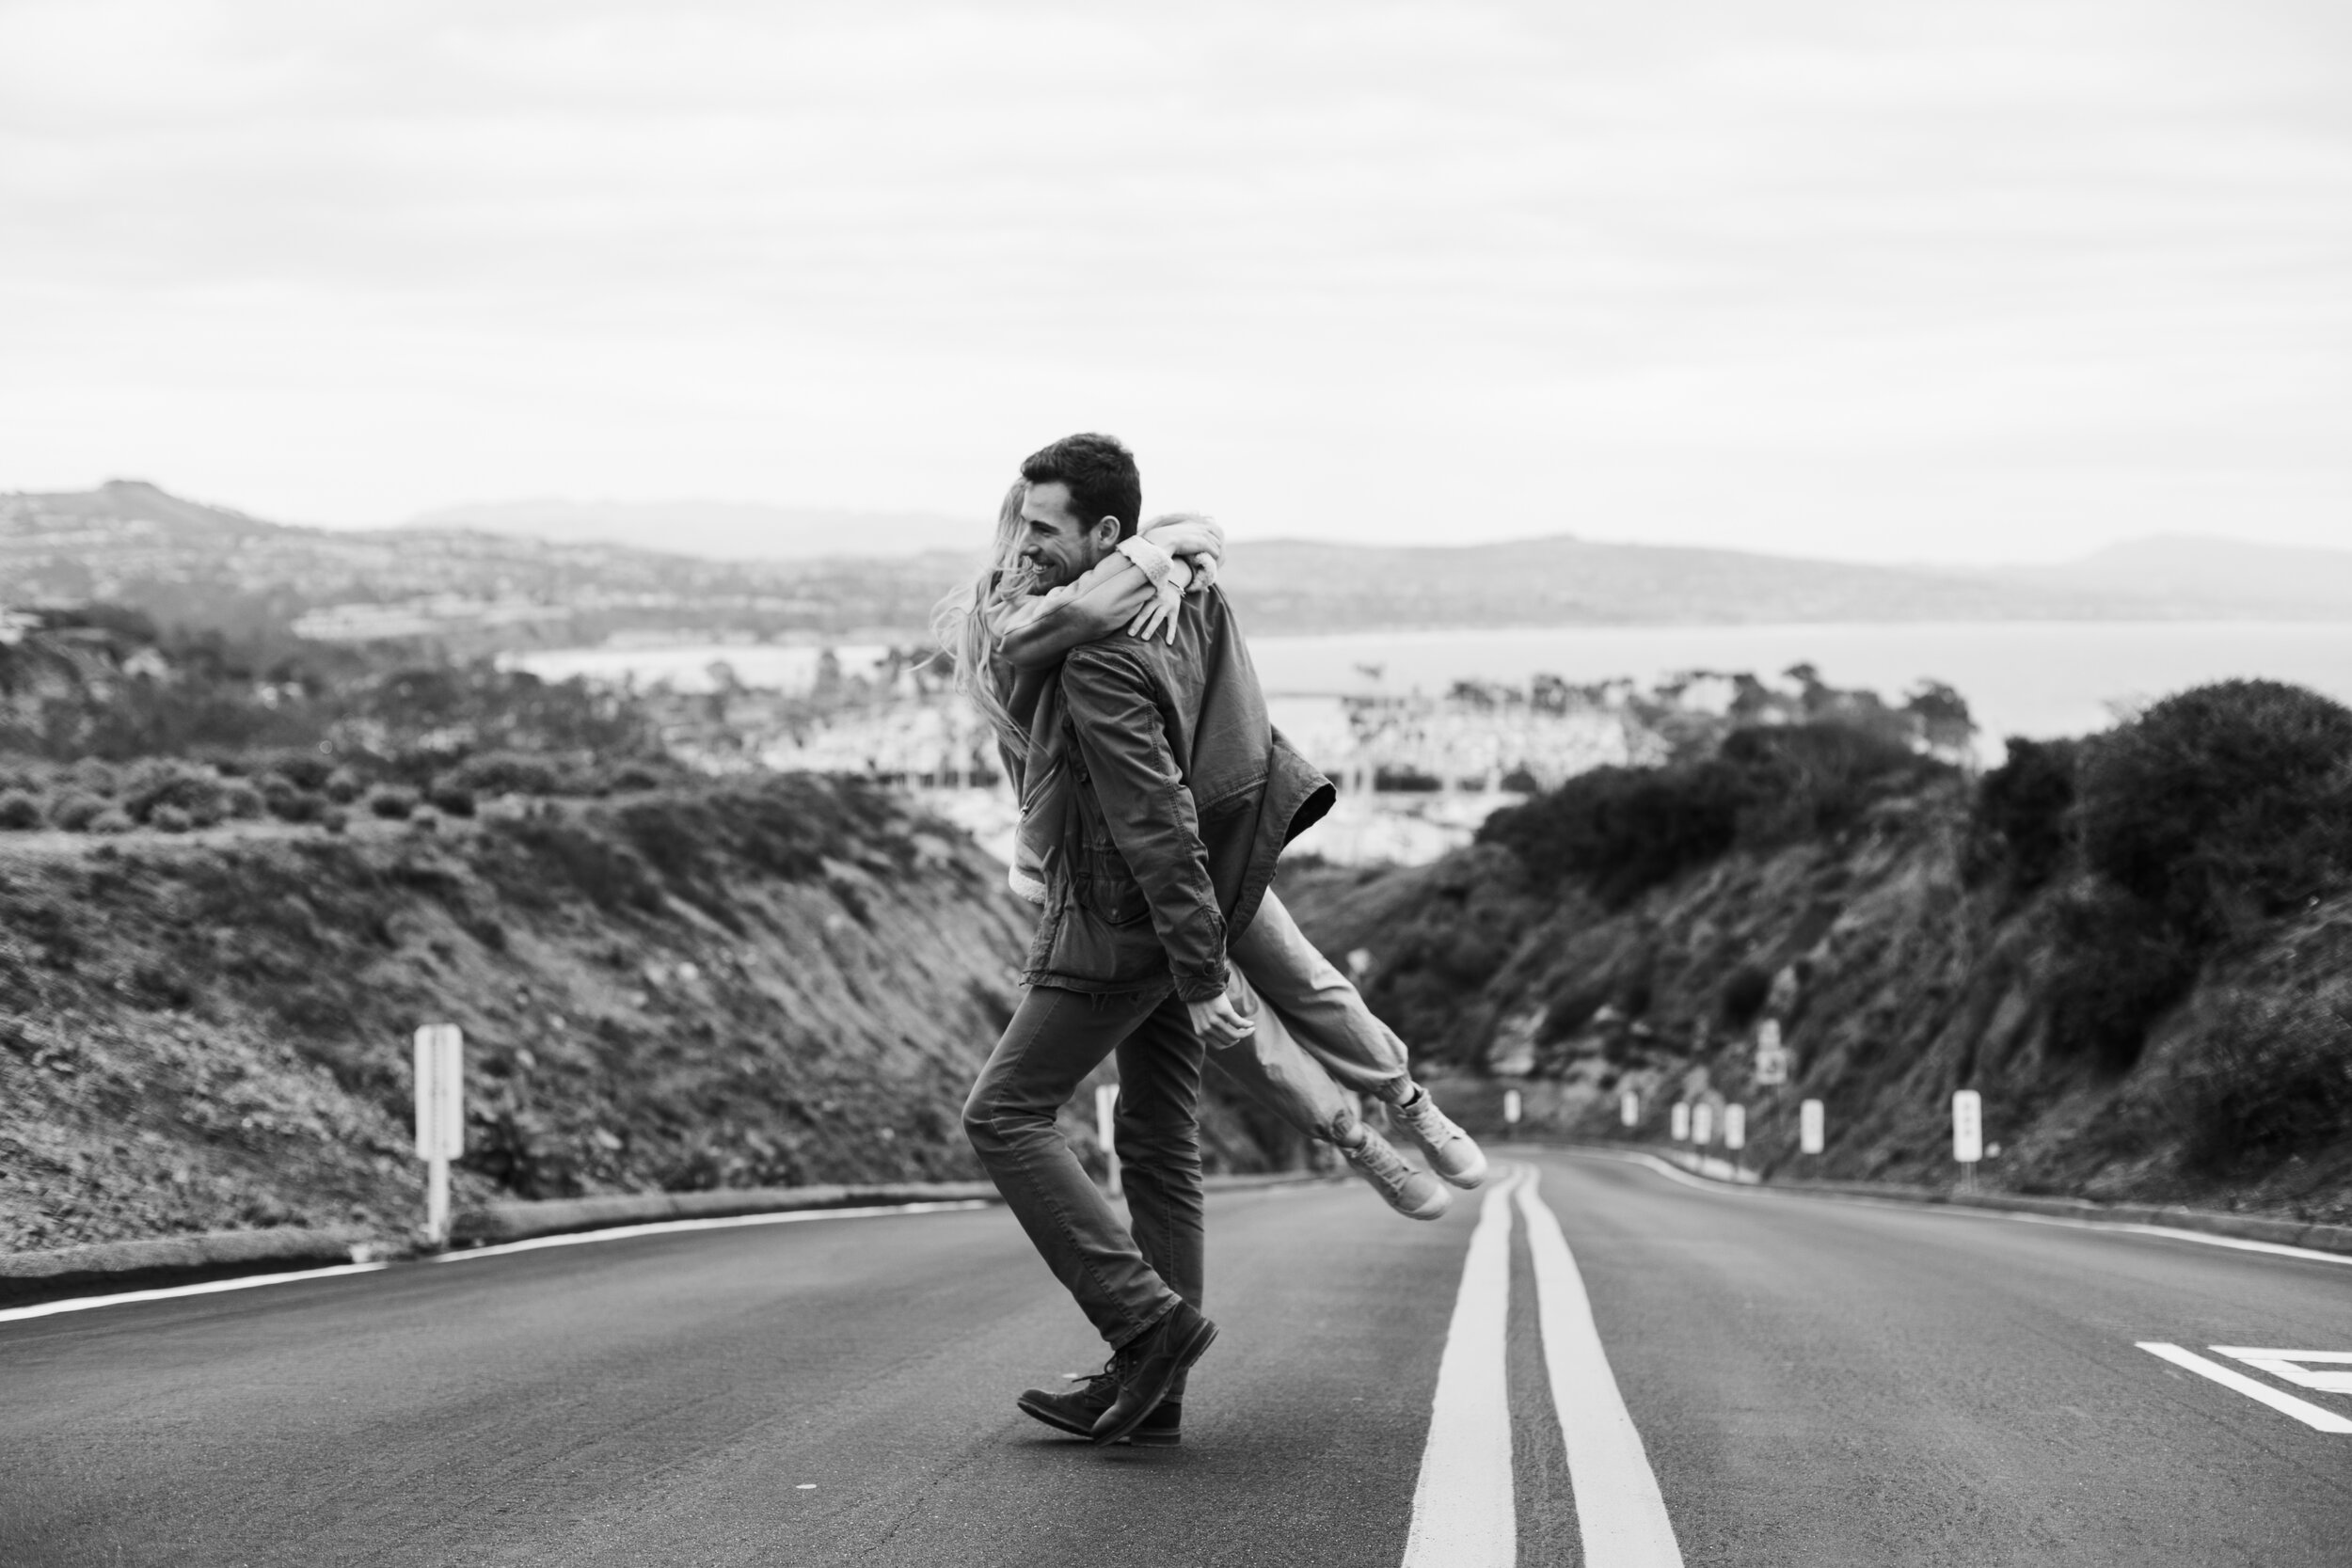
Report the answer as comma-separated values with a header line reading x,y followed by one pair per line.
x,y
1182,797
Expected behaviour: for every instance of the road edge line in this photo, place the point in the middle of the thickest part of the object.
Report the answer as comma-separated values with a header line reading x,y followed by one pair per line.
x,y
170,1293
721,1222
2130,1228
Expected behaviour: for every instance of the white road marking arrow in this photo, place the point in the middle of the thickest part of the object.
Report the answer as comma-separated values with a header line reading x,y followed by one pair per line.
x,y
2302,1410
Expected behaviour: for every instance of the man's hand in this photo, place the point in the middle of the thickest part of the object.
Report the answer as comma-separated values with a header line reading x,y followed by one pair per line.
x,y
1218,1024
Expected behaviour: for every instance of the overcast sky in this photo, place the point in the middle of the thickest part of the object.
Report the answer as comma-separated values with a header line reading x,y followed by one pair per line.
x,y
1966,281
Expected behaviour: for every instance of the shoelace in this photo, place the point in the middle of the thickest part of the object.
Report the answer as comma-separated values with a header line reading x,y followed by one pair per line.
x,y
1426,1118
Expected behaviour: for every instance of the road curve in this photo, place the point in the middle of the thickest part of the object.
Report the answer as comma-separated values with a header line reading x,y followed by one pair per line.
x,y
1805,1382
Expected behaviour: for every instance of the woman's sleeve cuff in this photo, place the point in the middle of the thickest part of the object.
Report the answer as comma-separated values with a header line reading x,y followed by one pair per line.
x,y
1149,557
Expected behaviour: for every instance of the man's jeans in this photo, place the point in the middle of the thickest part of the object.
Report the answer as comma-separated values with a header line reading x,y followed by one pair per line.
x,y
1124,1282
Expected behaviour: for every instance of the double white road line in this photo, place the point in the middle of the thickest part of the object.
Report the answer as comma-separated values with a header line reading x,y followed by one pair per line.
x,y
1465,1512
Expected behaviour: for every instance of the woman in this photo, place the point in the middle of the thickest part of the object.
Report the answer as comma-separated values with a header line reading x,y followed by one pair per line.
x,y
1315,1034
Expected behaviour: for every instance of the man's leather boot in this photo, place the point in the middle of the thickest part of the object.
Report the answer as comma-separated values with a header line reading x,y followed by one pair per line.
x,y
1148,1366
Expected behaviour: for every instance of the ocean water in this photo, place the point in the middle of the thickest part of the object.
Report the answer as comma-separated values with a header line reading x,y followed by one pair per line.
x,y
2036,678
2030,678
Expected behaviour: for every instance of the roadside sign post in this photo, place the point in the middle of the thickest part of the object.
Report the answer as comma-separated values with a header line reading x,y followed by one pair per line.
x,y
1736,1133
1771,1057
1106,1109
1680,1120
440,1117
1809,1139
1629,1109
1511,1109
1703,1124
1967,1134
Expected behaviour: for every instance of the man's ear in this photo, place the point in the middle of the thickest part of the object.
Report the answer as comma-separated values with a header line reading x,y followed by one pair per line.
x,y
1107,534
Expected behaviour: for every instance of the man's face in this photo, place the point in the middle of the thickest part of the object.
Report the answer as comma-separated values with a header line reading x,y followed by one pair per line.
x,y
1060,547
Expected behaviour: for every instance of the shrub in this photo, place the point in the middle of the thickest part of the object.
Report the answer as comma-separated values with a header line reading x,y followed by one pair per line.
x,y
242,800
97,777
507,773
2119,965
20,810
632,777
2224,804
305,770
1802,781
113,819
2023,806
191,789
288,803
1625,828
342,787
392,803
75,810
169,819
2269,1076
335,819
453,800
1744,993
609,876
1629,829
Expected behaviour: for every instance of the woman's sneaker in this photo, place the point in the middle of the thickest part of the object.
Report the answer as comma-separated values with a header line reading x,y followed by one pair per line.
x,y
1451,1152
1411,1193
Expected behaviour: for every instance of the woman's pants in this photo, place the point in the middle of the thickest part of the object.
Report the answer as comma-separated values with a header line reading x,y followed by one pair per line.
x,y
1314,1037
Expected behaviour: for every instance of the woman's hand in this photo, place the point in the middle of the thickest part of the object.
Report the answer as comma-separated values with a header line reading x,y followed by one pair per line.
x,y
1167,599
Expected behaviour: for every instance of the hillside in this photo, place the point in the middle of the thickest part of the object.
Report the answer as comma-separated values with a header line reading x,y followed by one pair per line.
x,y
195,566
716,531
538,575
2178,575
1305,585
751,985
1913,933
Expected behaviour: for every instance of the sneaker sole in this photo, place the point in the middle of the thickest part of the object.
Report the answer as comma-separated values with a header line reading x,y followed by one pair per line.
x,y
1473,1176
1203,1339
1427,1212
1140,1437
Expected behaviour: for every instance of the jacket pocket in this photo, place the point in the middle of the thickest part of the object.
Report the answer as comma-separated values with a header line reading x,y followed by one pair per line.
x,y
1099,879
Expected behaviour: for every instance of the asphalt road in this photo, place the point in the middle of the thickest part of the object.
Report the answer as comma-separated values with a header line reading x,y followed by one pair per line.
x,y
1811,1383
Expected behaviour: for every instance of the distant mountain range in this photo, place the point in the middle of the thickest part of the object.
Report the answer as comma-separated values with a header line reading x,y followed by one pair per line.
x,y
2190,576
719,531
475,578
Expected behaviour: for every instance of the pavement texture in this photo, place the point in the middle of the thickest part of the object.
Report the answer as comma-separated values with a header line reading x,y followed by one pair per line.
x,y
1814,1381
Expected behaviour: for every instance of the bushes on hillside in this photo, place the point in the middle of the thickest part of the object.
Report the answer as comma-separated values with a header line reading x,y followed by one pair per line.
x,y
2270,1076
506,773
2118,966
1629,828
2223,804
2022,822
2214,810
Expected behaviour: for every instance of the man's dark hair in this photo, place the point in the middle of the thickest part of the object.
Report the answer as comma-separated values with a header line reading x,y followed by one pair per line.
x,y
1100,473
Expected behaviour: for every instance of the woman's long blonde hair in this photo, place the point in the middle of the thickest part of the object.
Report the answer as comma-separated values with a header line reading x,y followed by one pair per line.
x,y
961,621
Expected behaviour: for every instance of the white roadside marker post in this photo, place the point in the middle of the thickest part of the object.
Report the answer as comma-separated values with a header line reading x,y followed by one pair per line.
x,y
1703,1124
1511,1109
1678,1122
440,1118
1106,1109
1967,1134
1629,1109
1809,1139
1735,1135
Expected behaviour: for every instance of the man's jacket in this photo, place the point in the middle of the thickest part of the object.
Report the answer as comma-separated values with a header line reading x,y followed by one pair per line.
x,y
1183,796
